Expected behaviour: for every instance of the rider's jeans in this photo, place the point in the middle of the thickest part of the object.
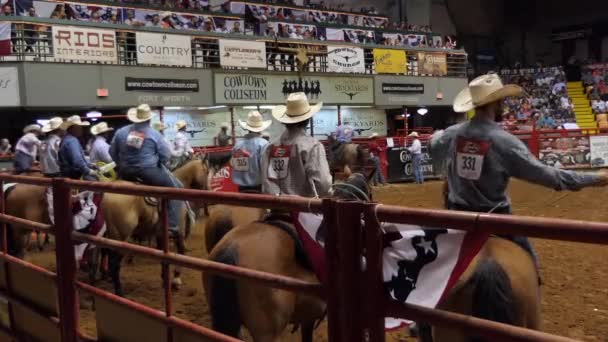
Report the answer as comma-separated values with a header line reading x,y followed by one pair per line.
x,y
157,177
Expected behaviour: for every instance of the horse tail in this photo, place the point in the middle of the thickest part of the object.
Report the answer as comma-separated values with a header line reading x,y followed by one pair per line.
x,y
492,294
218,225
223,297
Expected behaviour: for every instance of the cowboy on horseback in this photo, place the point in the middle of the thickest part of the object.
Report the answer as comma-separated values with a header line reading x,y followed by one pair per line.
x,y
72,162
479,157
247,152
142,154
100,149
49,149
296,164
27,149
181,150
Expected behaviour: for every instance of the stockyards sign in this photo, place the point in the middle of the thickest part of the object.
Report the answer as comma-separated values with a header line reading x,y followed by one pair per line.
x,y
273,89
163,49
345,59
84,44
242,53
432,64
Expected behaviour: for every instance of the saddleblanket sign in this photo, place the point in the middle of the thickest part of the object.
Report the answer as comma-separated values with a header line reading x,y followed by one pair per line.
x,y
84,44
273,89
345,59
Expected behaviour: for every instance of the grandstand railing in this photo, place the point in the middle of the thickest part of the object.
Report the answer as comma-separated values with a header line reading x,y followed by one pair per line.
x,y
357,301
32,41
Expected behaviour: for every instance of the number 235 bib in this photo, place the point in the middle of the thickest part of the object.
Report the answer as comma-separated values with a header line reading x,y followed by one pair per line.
x,y
470,155
278,167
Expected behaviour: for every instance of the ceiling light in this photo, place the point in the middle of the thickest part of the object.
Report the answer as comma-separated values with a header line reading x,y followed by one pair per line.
x,y
422,111
212,107
93,114
173,108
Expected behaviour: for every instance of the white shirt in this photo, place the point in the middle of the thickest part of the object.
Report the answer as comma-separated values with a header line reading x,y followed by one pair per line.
x,y
100,151
602,106
416,147
181,145
28,144
295,35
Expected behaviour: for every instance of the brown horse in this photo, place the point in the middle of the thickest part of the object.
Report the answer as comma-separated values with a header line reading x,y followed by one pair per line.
x,y
344,159
273,248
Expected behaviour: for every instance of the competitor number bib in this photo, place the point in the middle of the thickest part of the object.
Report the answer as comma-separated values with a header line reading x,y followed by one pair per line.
x,y
240,160
278,168
469,157
136,139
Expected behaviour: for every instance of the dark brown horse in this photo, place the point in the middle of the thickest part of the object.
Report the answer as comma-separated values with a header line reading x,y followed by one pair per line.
x,y
345,159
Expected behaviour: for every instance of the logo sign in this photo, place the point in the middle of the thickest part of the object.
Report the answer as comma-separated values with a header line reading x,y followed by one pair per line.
x,y
432,64
163,49
389,61
402,88
160,84
265,89
599,150
400,164
242,53
84,44
345,59
9,87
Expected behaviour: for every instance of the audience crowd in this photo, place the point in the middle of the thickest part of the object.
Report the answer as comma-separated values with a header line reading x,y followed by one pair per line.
x,y
595,79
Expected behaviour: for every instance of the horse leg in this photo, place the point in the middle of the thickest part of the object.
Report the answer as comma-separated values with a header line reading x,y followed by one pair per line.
x,y
307,330
94,257
115,260
176,283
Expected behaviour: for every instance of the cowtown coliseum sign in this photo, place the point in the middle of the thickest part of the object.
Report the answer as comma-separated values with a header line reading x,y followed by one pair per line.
x,y
233,88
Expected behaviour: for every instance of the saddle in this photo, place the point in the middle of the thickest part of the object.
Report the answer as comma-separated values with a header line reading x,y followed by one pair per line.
x,y
284,222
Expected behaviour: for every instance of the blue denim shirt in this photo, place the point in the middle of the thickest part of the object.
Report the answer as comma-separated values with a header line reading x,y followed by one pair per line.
x,y
253,146
71,158
344,133
138,146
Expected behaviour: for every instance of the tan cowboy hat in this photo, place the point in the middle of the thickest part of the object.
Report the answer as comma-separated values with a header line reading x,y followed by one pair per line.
x,y
159,126
414,134
73,120
100,128
483,90
142,113
373,135
31,128
255,122
180,124
297,109
52,125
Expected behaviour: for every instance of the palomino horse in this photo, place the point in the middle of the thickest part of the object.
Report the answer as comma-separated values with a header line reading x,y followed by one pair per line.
x,y
272,248
131,216
346,158
500,284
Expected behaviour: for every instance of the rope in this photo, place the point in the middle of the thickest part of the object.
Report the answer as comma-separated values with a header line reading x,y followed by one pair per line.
x,y
363,194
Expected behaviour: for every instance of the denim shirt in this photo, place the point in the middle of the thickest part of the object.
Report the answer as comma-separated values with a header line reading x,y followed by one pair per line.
x,y
49,155
251,148
344,133
478,158
138,146
71,158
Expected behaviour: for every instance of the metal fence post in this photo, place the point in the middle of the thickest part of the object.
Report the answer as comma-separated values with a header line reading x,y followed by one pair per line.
x,y
66,262
344,275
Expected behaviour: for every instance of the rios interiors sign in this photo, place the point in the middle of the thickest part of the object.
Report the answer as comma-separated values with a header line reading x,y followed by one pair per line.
x,y
273,89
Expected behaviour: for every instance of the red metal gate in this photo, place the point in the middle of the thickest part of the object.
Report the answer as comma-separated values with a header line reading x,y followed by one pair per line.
x,y
355,296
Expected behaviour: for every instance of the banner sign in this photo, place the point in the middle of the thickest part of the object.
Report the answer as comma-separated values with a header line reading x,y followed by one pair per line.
x,y
201,128
273,89
242,53
163,49
84,44
9,87
565,153
599,150
389,61
299,31
411,40
345,59
365,122
432,64
349,35
160,84
400,166
402,88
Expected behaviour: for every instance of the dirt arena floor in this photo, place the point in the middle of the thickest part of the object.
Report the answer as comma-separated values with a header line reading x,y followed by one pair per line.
x,y
575,291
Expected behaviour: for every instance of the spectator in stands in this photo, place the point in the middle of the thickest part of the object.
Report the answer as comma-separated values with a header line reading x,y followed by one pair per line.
x,y
167,20
131,20
5,147
221,28
558,87
59,12
236,28
208,25
7,10
194,23
154,21
96,16
297,33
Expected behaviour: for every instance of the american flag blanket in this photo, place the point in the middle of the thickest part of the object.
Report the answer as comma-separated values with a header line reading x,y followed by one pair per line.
x,y
420,264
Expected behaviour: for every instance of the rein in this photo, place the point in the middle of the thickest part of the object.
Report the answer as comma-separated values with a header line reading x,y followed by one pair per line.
x,y
348,188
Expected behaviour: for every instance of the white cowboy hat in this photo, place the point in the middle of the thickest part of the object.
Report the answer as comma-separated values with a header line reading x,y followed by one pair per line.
x,y
373,135
180,124
297,110
142,113
483,90
164,15
52,124
31,128
73,120
255,122
100,128
159,126
414,134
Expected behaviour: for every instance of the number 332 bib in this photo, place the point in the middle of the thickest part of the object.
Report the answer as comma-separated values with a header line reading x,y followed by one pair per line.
x,y
470,155
278,167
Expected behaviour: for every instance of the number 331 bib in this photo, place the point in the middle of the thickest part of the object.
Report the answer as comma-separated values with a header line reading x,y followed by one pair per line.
x,y
470,155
